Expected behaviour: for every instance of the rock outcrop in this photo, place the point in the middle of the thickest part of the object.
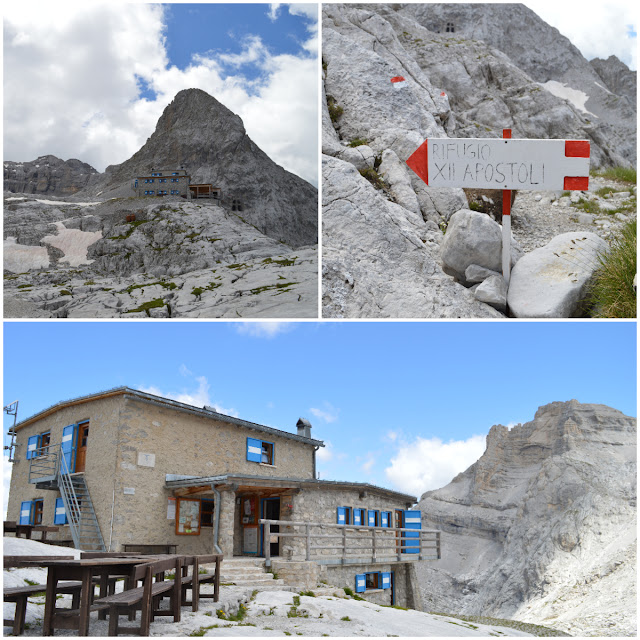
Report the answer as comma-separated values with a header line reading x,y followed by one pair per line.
x,y
48,176
617,77
546,56
200,134
542,528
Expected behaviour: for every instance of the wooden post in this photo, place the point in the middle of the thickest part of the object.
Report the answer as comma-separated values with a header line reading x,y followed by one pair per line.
x,y
267,543
506,226
308,531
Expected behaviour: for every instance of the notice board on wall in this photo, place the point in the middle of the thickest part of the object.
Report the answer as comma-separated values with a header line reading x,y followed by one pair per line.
x,y
188,517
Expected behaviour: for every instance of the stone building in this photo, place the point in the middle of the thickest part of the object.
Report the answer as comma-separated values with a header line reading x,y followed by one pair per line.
x,y
128,467
163,182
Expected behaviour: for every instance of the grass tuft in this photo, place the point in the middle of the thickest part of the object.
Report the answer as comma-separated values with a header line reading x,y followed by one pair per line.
x,y
611,294
621,174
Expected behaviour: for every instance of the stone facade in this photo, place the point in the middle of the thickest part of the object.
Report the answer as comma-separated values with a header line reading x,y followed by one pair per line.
x,y
133,443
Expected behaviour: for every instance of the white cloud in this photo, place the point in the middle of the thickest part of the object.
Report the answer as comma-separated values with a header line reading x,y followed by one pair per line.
x,y
7,468
430,463
325,454
198,397
264,329
184,371
328,414
367,465
72,80
599,32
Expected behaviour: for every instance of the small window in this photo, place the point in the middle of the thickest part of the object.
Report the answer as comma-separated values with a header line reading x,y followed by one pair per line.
x,y
38,505
45,441
359,517
372,580
344,515
260,451
206,513
162,180
450,27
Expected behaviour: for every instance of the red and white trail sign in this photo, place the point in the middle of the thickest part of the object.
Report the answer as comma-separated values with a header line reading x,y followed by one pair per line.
x,y
494,163
398,82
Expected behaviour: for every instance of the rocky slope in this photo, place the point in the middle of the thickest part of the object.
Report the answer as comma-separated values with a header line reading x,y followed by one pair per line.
x,y
47,175
383,228
175,259
200,134
542,528
544,54
618,77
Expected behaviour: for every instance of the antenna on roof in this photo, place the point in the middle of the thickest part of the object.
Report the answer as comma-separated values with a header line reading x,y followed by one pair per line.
x,y
12,410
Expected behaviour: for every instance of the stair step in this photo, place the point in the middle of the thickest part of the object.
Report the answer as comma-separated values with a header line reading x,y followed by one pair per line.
x,y
258,582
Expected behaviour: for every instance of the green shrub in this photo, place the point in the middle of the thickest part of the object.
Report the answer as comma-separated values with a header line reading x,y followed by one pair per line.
x,y
358,142
335,110
372,176
611,294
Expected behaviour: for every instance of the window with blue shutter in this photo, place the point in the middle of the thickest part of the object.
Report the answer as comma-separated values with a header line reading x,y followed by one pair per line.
x,y
26,512
373,518
342,515
32,447
386,580
68,446
60,516
361,583
385,518
254,450
411,520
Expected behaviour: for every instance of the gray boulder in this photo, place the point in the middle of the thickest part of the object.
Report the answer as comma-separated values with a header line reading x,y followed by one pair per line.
x,y
493,291
476,273
551,282
473,238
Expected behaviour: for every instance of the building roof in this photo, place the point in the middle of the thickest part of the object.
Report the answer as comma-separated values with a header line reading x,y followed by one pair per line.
x,y
175,481
142,396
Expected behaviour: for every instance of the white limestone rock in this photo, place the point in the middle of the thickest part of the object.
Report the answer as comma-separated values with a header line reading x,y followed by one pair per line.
x,y
493,291
542,528
474,238
551,282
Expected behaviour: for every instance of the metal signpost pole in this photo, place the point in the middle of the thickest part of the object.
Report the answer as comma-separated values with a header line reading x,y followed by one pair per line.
x,y
506,226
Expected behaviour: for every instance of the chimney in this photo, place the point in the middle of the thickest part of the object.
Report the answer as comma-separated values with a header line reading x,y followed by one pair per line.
x,y
304,428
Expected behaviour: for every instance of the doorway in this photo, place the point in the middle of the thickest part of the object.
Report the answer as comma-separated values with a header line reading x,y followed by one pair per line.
x,y
271,511
83,438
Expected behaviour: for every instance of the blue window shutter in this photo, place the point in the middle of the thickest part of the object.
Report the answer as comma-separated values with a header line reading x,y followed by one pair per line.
x,y
361,583
412,520
25,512
357,519
384,518
254,450
386,580
342,515
372,518
32,445
68,446
60,516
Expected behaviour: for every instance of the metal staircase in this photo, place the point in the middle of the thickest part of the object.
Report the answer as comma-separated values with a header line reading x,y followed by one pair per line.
x,y
50,471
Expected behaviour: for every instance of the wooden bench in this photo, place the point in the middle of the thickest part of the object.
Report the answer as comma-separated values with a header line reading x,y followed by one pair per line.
x,y
197,579
151,549
143,597
19,595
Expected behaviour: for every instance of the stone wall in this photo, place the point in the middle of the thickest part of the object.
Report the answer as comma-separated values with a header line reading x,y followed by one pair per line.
x,y
320,504
101,465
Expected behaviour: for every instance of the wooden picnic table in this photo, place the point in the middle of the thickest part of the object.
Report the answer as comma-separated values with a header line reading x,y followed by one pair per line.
x,y
82,570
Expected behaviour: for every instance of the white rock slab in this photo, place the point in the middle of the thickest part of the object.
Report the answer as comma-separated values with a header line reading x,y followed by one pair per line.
x,y
550,282
19,258
73,243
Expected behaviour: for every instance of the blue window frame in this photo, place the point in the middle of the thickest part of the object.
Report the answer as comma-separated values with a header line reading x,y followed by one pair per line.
x,y
26,512
385,518
175,173
174,192
344,515
373,518
175,179
372,580
162,180
261,451
359,517
411,542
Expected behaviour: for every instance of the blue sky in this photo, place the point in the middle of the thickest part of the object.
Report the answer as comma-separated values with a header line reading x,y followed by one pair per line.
x,y
259,60
421,394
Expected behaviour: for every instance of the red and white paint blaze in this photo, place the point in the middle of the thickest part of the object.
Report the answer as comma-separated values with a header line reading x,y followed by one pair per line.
x,y
398,82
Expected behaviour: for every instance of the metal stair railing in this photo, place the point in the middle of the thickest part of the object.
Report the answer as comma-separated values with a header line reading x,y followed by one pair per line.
x,y
43,465
81,531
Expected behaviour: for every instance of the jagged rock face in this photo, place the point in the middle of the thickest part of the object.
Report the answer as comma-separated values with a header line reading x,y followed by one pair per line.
x,y
617,77
199,133
549,508
542,53
47,175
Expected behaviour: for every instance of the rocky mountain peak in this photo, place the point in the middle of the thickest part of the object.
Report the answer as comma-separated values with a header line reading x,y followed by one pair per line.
x,y
551,504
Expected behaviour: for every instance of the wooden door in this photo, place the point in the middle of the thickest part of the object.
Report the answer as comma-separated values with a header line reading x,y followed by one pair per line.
x,y
83,437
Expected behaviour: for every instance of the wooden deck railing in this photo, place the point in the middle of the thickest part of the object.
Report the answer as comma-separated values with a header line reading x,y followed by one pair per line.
x,y
350,544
